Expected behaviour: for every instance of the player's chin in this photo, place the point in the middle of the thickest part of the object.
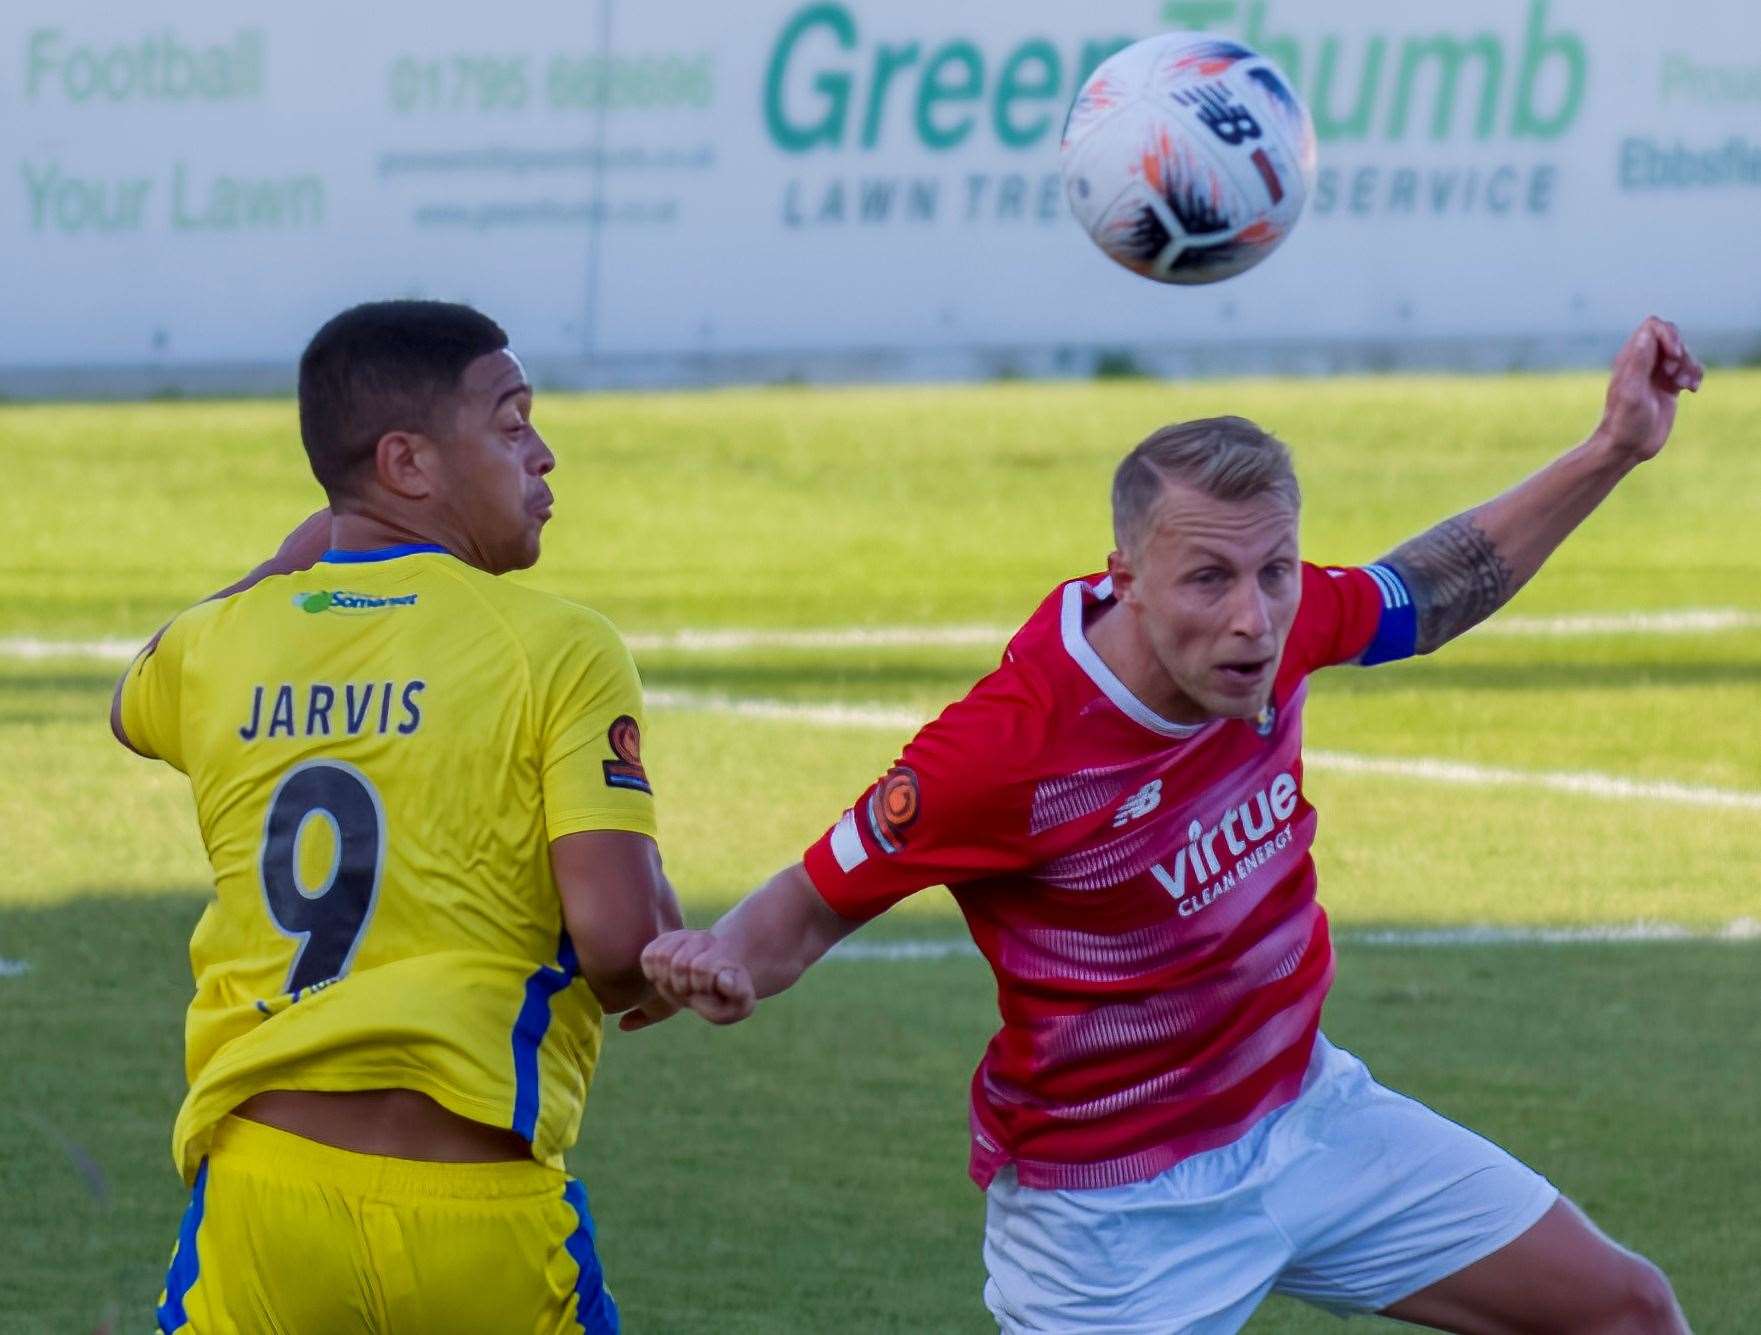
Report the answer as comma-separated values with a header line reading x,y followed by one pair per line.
x,y
1233,696
524,552
1236,708
517,555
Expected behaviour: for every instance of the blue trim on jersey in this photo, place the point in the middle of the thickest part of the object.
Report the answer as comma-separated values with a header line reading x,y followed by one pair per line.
x,y
185,1265
1397,634
530,1028
338,556
594,1307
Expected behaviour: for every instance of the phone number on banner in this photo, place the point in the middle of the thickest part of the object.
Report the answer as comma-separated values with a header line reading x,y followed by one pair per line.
x,y
480,83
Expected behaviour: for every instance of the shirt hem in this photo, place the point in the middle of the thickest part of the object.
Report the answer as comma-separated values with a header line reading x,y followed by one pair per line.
x,y
202,1112
587,822
1123,1170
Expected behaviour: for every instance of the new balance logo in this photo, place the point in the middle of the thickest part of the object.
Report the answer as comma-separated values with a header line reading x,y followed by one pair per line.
x,y
1145,800
1228,120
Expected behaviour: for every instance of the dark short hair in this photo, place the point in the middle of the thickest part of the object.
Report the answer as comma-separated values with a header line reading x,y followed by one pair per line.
x,y
384,366
1229,458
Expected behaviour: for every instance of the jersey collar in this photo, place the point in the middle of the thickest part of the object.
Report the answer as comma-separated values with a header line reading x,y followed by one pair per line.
x,y
337,556
1076,644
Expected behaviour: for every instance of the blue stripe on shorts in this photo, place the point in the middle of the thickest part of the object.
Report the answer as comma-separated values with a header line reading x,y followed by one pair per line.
x,y
181,1277
594,1307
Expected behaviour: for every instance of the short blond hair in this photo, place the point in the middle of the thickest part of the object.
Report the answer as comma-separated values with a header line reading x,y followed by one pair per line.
x,y
1229,458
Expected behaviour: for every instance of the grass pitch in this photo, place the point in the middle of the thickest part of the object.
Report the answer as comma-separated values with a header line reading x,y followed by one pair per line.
x,y
805,1171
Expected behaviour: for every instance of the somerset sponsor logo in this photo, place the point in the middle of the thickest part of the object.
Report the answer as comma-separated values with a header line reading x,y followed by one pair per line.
x,y
340,600
1252,833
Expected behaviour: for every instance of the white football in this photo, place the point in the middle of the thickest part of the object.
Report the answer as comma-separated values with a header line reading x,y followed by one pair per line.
x,y
1188,158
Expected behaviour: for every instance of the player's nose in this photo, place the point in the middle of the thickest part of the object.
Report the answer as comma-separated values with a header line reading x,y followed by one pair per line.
x,y
541,460
1251,615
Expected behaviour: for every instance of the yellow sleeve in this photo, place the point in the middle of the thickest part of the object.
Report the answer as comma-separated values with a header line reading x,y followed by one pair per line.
x,y
591,722
152,705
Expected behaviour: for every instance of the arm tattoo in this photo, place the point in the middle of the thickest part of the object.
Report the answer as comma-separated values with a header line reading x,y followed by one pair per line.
x,y
1456,577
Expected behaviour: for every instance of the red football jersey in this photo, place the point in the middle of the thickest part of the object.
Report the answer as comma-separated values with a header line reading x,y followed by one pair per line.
x,y
1142,889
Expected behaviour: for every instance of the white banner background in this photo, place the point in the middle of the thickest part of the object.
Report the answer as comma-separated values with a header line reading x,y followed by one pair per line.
x,y
682,191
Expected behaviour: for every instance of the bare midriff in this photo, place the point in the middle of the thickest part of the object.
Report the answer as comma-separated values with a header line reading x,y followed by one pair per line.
x,y
396,1123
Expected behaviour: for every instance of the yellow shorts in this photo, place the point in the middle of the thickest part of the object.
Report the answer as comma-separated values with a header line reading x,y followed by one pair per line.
x,y
284,1236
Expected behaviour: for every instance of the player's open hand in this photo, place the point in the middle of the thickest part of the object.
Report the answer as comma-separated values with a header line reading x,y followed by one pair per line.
x,y
1650,371
694,971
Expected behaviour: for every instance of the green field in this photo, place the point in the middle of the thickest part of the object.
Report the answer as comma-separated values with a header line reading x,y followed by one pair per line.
x,y
805,1172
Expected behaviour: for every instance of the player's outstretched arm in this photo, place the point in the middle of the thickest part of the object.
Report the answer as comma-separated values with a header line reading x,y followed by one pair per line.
x,y
300,550
760,947
616,899
1466,568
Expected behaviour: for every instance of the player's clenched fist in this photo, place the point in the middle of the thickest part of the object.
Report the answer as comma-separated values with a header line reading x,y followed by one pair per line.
x,y
1650,372
693,970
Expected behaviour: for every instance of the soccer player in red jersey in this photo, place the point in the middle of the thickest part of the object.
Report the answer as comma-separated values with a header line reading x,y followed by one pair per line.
x,y
1163,1133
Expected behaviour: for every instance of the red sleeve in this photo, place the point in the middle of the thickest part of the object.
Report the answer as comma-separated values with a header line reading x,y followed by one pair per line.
x,y
1360,614
952,809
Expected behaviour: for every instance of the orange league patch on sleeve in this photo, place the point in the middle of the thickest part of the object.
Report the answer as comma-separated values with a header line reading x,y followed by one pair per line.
x,y
625,771
892,807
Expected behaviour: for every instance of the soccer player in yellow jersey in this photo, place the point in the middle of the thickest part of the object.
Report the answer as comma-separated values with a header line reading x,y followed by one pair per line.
x,y
422,792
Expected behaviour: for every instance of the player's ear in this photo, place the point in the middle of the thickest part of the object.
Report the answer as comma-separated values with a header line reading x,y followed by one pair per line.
x,y
404,462
1119,571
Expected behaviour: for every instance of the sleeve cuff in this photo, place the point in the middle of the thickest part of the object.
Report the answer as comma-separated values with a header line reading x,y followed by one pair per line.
x,y
582,822
827,872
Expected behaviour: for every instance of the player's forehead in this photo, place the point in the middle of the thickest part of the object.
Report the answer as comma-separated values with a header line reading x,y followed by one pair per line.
x,y
492,379
1186,524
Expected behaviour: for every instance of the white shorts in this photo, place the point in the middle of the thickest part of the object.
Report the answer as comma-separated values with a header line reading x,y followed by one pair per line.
x,y
1352,1197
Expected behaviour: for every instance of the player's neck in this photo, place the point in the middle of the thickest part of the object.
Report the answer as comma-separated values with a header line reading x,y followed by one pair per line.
x,y
356,532
1114,636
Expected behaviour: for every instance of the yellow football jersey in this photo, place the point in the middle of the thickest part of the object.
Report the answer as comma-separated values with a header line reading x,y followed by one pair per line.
x,y
381,749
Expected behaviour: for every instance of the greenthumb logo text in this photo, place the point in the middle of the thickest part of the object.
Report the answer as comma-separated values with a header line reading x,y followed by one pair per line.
x,y
831,85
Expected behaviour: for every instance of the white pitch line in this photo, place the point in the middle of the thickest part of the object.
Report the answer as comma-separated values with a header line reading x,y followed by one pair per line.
x,y
1472,935
688,641
1682,621
887,718
1579,783
1485,934
733,639
893,718
890,952
30,649
725,639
